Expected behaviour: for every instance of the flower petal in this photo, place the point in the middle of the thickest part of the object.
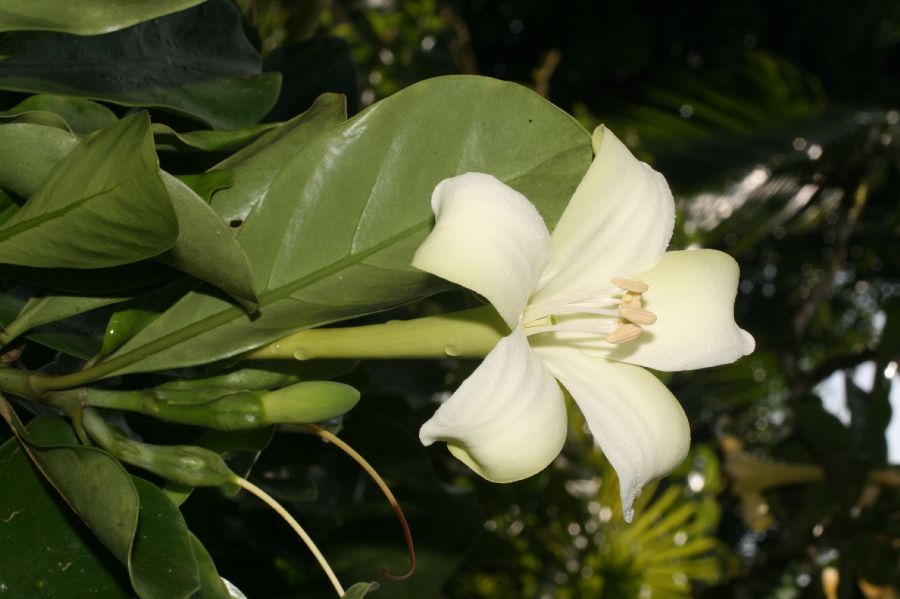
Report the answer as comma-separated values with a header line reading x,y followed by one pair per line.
x,y
506,421
692,294
487,237
617,224
637,422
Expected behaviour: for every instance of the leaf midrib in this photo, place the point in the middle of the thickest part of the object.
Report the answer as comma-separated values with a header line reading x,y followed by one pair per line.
x,y
267,297
9,232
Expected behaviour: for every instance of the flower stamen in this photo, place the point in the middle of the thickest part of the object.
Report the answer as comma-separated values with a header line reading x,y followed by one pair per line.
x,y
616,313
637,315
629,285
626,332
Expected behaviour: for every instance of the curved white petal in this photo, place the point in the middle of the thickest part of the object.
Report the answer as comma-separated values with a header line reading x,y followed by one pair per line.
x,y
637,422
487,237
508,420
692,294
617,224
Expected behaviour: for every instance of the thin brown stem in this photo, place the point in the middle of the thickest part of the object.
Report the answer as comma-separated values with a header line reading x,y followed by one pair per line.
x,y
331,438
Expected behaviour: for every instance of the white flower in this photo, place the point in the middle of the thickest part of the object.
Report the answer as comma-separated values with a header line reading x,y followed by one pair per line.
x,y
587,306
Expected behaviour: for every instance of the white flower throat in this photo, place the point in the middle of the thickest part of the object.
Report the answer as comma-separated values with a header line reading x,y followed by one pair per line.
x,y
615,312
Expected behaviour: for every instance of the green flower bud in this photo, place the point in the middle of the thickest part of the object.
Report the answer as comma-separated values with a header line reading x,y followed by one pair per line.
x,y
183,464
313,401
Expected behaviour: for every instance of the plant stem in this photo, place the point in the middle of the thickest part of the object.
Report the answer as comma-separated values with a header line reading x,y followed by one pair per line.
x,y
467,334
269,501
17,382
331,438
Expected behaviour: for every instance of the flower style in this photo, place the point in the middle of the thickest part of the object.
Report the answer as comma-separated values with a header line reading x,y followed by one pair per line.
x,y
587,306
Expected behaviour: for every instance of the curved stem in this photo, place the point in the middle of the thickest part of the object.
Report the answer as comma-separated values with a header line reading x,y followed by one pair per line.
x,y
269,501
331,438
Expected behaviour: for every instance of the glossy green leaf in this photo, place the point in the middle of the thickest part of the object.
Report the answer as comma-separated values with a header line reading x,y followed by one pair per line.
x,y
206,247
197,62
332,236
79,115
256,166
28,153
86,17
207,141
45,550
103,205
162,561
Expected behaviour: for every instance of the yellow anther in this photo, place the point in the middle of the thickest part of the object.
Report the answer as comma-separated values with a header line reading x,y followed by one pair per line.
x,y
637,315
629,285
626,332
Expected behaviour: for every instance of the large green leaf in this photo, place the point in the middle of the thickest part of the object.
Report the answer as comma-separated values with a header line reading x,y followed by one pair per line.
x,y
256,166
91,481
85,17
206,247
103,205
27,154
130,516
332,235
45,550
197,62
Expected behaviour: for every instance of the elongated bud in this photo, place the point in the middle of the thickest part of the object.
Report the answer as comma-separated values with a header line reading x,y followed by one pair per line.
x,y
225,409
313,401
235,411
183,464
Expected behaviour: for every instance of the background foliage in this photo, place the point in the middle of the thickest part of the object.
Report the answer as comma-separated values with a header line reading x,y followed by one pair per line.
x,y
776,125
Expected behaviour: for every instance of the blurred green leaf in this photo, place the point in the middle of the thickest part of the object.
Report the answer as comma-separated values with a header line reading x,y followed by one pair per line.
x,y
832,446
333,235
87,17
360,590
103,205
80,116
197,62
